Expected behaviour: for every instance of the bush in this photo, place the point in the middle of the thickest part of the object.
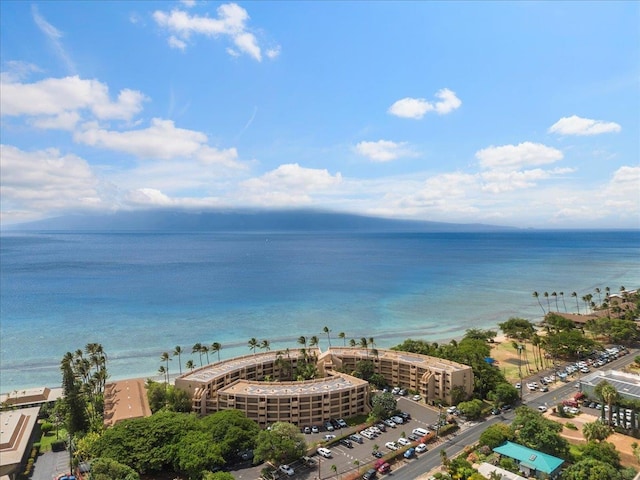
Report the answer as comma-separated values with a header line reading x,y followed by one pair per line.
x,y
570,426
58,446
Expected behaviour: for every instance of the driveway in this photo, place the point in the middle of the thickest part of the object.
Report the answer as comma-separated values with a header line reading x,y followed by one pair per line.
x,y
50,464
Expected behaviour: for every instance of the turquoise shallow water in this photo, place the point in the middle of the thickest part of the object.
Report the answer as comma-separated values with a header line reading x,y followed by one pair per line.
x,y
141,294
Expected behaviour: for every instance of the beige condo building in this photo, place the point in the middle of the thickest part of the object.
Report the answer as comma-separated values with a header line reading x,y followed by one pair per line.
x,y
245,383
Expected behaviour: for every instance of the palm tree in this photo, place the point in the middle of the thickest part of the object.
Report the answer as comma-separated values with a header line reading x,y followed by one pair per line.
x,y
302,340
190,365
597,290
595,431
205,350
197,348
314,341
265,345
328,332
537,297
165,358
364,343
334,467
215,348
352,342
343,336
555,296
253,344
574,294
546,295
178,352
565,305
610,396
163,371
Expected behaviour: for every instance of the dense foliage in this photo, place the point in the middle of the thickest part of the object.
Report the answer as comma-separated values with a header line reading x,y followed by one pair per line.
x,y
177,441
533,430
168,397
282,443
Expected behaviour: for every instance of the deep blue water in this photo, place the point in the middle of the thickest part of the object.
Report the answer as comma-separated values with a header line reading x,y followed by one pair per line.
x,y
141,294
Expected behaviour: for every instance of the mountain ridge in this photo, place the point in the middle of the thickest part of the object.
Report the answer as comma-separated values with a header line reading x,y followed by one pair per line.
x,y
243,220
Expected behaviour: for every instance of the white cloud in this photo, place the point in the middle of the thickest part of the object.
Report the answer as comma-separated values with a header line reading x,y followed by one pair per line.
x,y
54,36
231,22
416,108
287,185
16,70
382,150
575,125
188,3
62,121
516,156
58,96
46,181
500,181
162,140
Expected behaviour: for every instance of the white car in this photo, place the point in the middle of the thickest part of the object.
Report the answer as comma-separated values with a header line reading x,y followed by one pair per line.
x,y
391,445
416,398
390,423
287,469
404,441
329,436
325,452
367,434
542,408
451,410
397,420
421,448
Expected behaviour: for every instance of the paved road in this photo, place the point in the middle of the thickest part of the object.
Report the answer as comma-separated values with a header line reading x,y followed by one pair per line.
x,y
431,460
50,464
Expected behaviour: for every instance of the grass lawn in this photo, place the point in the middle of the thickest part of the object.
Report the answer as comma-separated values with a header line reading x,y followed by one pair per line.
x,y
47,440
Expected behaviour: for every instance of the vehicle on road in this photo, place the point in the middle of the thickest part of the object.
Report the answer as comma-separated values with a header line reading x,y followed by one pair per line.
x,y
542,408
329,436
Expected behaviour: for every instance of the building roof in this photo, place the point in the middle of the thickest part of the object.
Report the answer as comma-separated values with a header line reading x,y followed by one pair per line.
x,y
125,399
486,469
31,396
321,385
627,384
529,457
16,427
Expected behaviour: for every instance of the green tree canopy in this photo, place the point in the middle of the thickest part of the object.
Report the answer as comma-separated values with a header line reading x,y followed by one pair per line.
x,y
218,476
596,431
364,369
109,469
496,435
557,323
518,328
533,430
591,469
232,431
471,409
602,451
196,453
504,394
281,444
384,404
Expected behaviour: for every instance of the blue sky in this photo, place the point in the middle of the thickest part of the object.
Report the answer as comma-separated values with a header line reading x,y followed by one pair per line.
x,y
511,113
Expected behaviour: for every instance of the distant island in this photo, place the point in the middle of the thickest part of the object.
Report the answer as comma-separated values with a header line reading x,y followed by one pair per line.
x,y
243,221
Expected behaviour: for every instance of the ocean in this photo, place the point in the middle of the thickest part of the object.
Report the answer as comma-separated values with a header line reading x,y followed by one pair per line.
x,y
140,294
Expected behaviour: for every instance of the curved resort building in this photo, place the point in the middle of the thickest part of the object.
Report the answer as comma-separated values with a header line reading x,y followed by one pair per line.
x,y
260,386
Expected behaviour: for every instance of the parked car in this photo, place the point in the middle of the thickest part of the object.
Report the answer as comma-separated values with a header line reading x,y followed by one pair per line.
x,y
397,419
286,469
329,436
324,452
382,467
421,448
369,474
409,453
307,429
356,438
390,423
328,426
342,423
346,443
314,429
416,398
377,453
404,441
391,446
542,408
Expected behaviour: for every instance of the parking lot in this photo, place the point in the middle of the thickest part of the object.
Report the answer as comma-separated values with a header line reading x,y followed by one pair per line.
x,y
345,459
